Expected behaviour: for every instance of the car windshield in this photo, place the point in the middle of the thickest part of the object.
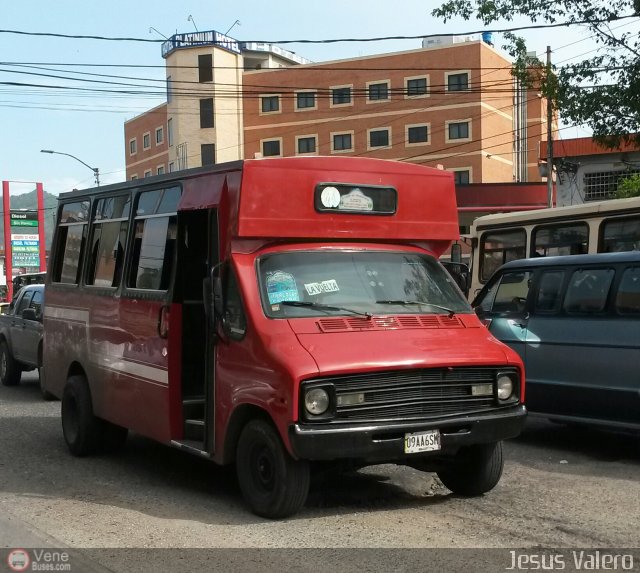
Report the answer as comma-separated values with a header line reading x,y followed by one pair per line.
x,y
351,283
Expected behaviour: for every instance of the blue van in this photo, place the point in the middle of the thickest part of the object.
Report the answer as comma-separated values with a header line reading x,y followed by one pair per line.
x,y
575,321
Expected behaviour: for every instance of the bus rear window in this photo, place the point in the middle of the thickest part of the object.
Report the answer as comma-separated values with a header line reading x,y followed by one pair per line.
x,y
498,248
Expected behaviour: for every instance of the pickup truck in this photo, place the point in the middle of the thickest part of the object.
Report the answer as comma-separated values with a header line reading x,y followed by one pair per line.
x,y
21,336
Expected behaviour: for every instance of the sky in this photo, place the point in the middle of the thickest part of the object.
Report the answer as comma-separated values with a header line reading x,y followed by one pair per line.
x,y
90,125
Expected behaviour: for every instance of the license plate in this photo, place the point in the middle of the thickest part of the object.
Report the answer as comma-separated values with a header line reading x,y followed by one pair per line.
x,y
428,441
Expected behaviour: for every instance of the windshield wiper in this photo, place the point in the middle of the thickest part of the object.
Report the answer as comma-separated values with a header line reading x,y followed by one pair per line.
x,y
321,306
449,311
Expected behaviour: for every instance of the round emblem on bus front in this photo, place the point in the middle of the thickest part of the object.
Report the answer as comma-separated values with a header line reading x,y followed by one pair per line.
x,y
330,197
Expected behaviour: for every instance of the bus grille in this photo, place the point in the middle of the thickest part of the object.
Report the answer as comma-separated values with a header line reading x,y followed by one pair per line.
x,y
415,394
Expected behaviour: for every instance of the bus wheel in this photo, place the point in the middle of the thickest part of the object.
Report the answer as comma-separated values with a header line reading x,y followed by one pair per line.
x,y
80,427
475,470
9,372
272,482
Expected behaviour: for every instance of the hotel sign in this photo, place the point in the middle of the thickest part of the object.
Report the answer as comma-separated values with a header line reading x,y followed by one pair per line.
x,y
210,38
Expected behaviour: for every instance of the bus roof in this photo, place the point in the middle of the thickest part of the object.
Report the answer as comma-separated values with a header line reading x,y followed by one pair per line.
x,y
278,198
584,210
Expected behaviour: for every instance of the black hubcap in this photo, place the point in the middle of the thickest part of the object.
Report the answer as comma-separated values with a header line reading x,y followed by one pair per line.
x,y
263,468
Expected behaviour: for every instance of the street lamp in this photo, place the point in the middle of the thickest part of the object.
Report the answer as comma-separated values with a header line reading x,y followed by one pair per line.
x,y
95,170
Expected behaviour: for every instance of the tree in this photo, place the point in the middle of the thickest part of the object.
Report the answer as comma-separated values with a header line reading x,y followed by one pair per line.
x,y
629,187
600,91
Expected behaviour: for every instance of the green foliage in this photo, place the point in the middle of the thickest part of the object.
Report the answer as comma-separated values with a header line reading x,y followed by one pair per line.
x,y
600,91
629,187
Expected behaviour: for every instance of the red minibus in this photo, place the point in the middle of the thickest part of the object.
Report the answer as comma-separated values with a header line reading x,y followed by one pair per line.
x,y
275,313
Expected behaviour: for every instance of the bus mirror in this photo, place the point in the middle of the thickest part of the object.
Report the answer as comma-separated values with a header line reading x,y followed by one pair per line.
x,y
456,253
207,296
460,274
217,296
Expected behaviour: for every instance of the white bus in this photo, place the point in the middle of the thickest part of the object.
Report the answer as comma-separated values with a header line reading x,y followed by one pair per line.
x,y
595,227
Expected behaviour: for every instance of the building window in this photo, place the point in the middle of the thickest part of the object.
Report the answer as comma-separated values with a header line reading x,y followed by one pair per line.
x,y
159,135
133,146
457,82
206,112
270,104
208,154
169,92
271,148
305,100
378,91
416,87
342,142
205,68
417,134
458,130
306,144
146,141
160,170
170,131
172,167
462,177
379,138
603,184
134,177
341,95
147,173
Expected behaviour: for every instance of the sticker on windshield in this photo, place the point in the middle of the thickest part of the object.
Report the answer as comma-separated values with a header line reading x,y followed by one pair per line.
x,y
281,286
319,288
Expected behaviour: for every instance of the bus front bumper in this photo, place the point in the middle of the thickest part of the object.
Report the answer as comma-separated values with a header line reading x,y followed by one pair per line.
x,y
384,442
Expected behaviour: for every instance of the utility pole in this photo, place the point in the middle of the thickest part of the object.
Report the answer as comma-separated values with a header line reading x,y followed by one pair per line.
x,y
549,133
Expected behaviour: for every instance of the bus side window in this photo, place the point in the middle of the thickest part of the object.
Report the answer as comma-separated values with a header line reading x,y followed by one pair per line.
x,y
153,253
498,248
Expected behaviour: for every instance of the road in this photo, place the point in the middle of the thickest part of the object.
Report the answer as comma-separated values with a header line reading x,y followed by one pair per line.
x,y
562,487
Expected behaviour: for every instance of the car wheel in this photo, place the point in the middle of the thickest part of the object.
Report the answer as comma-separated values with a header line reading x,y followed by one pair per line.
x,y
475,470
272,482
80,427
46,395
10,373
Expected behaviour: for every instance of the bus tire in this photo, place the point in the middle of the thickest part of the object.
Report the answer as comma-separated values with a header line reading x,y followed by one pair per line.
x,y
81,429
273,484
476,470
10,372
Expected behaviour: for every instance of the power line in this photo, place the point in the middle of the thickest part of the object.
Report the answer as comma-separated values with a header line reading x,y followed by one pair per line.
x,y
609,19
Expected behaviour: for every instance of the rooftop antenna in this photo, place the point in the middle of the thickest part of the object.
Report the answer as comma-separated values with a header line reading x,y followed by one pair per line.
x,y
238,23
152,29
190,19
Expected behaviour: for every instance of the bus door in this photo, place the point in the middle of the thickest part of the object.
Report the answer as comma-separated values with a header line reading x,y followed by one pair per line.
x,y
197,255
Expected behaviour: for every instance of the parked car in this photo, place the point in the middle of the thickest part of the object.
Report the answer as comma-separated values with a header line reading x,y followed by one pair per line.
x,y
575,321
21,336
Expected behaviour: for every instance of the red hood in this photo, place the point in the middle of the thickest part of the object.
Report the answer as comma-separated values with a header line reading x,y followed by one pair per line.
x,y
348,350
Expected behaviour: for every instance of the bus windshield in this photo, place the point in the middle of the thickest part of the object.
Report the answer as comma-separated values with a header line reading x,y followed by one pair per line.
x,y
313,283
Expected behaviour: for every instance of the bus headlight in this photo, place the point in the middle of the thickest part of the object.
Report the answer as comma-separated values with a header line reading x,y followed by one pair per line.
x,y
317,401
504,386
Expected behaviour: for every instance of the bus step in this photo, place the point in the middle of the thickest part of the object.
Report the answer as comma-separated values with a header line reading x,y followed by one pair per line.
x,y
194,429
193,408
191,446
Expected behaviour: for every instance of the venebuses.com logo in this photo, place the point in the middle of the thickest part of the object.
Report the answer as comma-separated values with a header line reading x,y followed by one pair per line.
x,y
38,560
18,560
